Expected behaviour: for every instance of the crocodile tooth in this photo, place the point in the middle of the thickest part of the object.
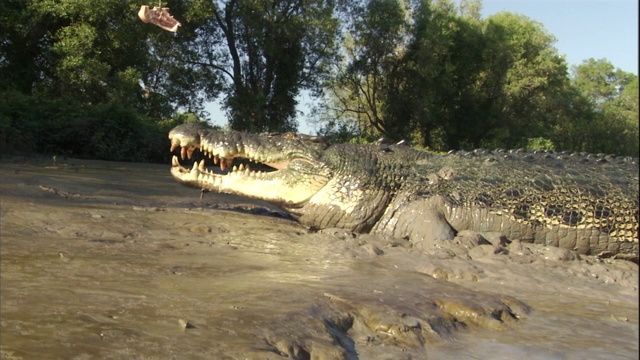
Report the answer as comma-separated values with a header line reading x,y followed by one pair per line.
x,y
183,152
195,166
241,167
223,164
174,144
235,168
190,152
216,159
201,166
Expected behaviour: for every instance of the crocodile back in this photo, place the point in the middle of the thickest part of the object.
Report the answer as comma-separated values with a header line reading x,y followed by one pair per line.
x,y
585,202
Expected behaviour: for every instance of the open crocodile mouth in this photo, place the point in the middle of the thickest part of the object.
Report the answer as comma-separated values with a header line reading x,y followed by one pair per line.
x,y
244,170
226,163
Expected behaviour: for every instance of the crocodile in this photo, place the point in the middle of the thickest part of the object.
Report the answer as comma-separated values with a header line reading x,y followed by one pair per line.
x,y
582,202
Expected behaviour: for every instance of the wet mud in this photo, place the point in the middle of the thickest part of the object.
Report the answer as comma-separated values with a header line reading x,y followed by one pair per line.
x,y
105,260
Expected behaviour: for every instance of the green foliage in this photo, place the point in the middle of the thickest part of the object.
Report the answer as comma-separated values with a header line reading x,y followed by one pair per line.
x,y
340,132
25,45
101,52
527,77
611,96
267,51
108,131
599,81
448,79
77,69
540,143
373,37
90,79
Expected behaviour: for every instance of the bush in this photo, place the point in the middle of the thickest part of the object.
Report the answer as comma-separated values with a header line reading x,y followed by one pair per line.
x,y
108,131
540,143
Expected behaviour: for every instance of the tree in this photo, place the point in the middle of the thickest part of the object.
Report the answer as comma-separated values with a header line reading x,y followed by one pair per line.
x,y
428,90
451,79
623,111
599,81
267,51
399,68
25,46
525,75
612,95
375,35
444,62
74,72
98,52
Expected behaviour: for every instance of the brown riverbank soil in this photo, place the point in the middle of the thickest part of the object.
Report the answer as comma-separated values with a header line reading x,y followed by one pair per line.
x,y
104,260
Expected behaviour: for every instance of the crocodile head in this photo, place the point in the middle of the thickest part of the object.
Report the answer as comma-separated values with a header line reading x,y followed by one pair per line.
x,y
323,186
281,169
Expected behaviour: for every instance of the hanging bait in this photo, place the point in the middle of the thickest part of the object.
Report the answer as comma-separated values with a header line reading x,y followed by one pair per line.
x,y
159,16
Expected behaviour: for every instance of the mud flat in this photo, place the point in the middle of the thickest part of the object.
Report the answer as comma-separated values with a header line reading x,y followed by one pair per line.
x,y
103,260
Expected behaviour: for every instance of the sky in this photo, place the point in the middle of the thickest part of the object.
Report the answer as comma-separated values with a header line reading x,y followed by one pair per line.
x,y
583,29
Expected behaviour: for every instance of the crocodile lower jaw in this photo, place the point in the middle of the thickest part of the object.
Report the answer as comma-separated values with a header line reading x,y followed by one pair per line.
x,y
274,186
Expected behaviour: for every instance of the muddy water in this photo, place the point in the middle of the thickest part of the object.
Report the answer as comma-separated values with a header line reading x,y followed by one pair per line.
x,y
103,260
